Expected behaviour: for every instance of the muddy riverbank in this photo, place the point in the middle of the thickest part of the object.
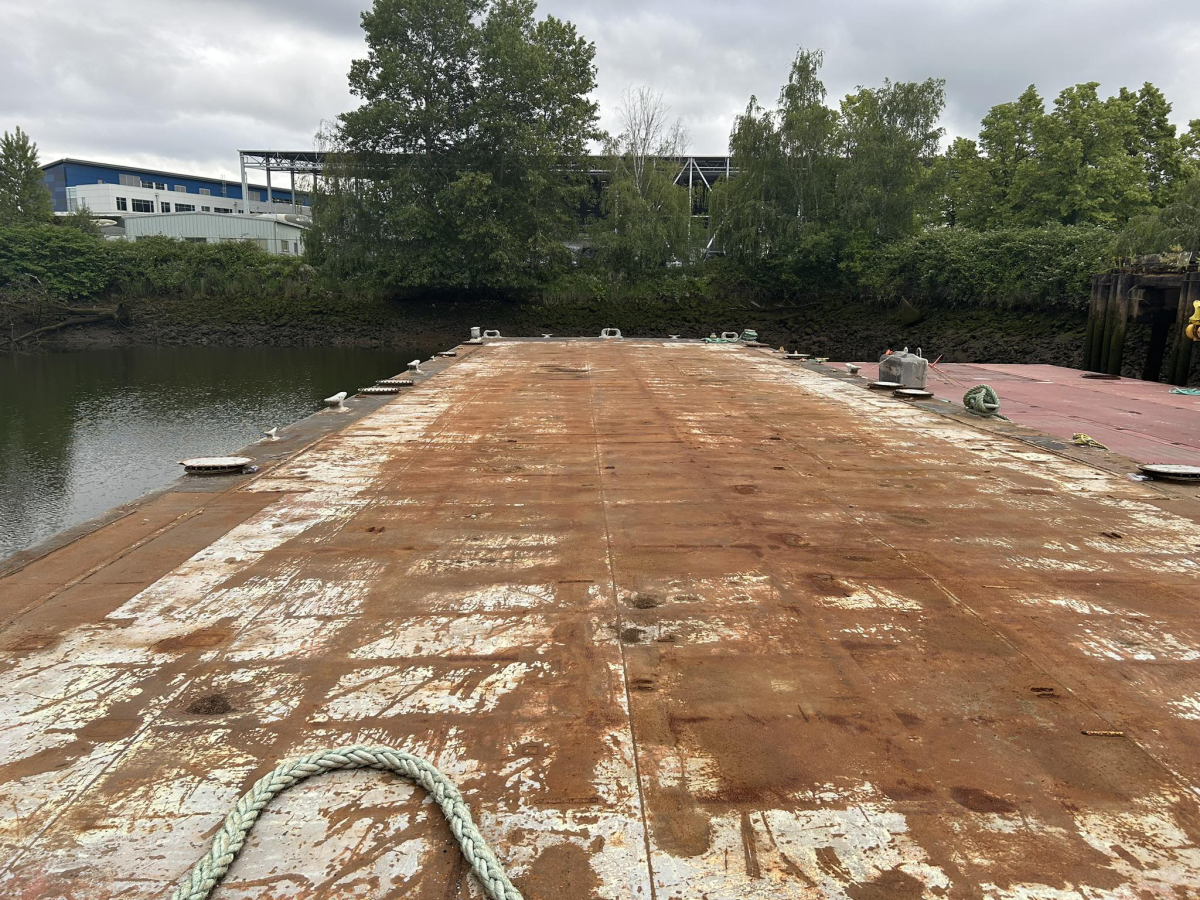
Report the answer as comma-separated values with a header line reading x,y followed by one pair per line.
x,y
833,328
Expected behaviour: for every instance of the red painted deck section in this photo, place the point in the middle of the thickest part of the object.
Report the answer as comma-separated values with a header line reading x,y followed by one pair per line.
x,y
1139,419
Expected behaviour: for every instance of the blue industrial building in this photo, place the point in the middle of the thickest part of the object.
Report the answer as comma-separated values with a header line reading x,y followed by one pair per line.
x,y
64,174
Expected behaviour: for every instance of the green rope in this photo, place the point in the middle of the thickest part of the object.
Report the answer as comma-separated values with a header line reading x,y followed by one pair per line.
x,y
983,401
208,872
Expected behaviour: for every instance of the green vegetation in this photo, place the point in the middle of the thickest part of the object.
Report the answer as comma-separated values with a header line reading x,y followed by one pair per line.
x,y
23,195
462,167
51,274
1176,226
1049,267
853,201
1085,162
73,265
645,215
818,188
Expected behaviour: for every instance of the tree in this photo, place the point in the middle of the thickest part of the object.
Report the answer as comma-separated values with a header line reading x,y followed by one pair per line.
x,y
1155,144
815,184
806,137
1174,227
81,219
1088,161
888,140
1007,141
1083,173
1189,145
786,166
966,192
24,198
646,214
461,167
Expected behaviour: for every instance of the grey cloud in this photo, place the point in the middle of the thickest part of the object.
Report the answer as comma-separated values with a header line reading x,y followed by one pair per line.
x,y
184,84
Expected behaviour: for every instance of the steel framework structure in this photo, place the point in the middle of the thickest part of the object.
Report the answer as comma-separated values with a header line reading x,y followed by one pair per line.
x,y
306,162
694,171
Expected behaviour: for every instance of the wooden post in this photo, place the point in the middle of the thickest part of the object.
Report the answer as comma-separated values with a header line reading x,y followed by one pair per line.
x,y
1109,307
1101,285
1089,334
1160,326
1180,365
1120,321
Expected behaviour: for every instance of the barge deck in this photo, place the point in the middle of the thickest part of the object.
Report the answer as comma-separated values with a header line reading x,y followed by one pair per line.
x,y
681,620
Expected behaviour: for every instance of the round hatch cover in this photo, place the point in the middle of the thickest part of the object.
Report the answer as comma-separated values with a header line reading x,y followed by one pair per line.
x,y
1173,472
215,465
912,393
380,389
885,385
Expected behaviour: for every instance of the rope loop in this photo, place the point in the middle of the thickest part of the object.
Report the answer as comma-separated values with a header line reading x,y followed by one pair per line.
x,y
983,401
225,845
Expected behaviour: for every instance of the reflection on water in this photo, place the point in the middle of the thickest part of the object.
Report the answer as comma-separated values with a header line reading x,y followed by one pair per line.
x,y
83,432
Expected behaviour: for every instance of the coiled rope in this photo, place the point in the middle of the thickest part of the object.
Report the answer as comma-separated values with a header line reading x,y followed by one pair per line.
x,y
983,401
208,872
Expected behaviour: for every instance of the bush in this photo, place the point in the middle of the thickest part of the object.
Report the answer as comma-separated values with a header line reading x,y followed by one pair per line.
x,y
72,265
1048,267
69,264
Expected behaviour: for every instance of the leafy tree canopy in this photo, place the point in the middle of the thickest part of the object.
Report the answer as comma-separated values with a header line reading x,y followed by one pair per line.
x,y
24,198
1087,161
1175,226
461,168
806,172
646,216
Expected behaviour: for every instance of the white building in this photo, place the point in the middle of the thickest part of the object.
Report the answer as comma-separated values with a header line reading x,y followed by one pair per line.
x,y
115,190
282,234
130,200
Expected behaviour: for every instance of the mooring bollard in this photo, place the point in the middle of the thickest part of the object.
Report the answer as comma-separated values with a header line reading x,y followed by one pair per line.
x,y
491,333
609,333
415,366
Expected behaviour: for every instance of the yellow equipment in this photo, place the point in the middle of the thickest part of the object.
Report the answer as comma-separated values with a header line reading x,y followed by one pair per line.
x,y
1193,329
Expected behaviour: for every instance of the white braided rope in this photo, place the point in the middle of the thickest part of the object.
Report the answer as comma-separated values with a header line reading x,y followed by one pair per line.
x,y
208,872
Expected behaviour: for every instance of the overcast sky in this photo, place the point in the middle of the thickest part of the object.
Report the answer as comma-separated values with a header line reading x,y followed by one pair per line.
x,y
182,84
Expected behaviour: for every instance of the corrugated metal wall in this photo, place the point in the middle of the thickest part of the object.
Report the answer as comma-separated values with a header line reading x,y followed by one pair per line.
x,y
215,227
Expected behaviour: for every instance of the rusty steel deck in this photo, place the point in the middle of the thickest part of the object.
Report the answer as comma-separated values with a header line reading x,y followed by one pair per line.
x,y
683,621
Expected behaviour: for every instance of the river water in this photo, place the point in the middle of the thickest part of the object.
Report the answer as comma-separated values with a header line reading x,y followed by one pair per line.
x,y
83,432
